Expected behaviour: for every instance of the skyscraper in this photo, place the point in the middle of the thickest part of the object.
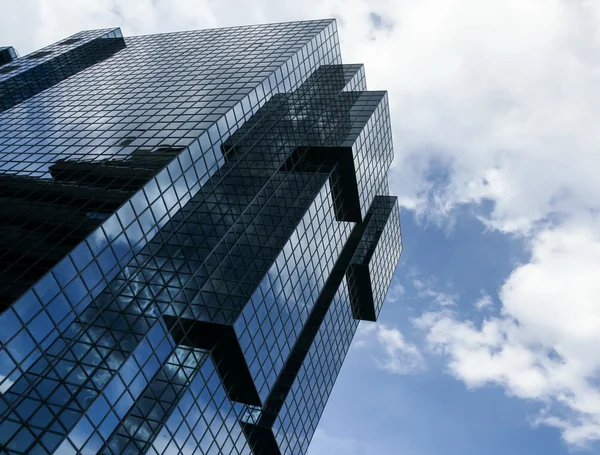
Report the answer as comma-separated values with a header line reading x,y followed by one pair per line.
x,y
192,226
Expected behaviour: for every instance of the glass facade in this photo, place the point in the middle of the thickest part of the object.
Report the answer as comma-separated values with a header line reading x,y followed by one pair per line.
x,y
192,226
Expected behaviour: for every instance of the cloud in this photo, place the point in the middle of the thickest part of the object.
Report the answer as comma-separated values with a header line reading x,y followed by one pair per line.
x,y
426,290
417,283
491,93
440,298
395,293
543,347
400,357
389,349
484,301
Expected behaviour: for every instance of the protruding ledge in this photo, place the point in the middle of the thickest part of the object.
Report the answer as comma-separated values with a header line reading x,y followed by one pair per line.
x,y
361,292
359,272
226,353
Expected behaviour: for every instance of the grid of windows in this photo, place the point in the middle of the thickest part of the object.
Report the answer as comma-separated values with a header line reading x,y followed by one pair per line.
x,y
298,418
182,212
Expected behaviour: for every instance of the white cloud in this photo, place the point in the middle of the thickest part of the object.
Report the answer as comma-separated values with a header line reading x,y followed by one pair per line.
x,y
400,357
440,298
544,345
496,91
389,349
395,293
484,301
426,289
417,283
364,334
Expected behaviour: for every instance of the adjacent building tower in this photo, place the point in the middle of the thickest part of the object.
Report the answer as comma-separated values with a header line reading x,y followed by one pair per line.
x,y
192,226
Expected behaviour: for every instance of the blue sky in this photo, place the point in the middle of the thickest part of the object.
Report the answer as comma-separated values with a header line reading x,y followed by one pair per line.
x,y
488,343
373,411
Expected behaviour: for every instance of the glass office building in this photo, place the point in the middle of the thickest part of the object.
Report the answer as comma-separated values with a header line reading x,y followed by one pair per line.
x,y
192,226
